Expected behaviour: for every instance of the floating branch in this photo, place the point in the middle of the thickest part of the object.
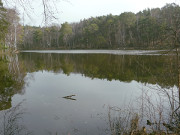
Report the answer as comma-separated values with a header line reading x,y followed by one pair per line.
x,y
70,97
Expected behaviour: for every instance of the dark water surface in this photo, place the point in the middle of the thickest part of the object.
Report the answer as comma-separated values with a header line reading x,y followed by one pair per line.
x,y
101,87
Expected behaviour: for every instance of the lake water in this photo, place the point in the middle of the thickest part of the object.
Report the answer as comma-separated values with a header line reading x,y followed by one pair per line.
x,y
83,93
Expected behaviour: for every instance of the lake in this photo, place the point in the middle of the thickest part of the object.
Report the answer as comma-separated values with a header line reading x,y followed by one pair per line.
x,y
86,92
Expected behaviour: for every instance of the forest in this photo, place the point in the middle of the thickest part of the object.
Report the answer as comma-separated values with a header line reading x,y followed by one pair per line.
x,y
147,29
157,28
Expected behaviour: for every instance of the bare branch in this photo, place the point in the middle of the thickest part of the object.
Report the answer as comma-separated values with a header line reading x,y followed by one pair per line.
x,y
48,8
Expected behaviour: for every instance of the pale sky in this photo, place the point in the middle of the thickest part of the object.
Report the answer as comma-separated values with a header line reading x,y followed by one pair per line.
x,y
76,10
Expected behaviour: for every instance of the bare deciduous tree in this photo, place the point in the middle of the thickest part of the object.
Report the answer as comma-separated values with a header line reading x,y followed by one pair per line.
x,y
49,8
14,29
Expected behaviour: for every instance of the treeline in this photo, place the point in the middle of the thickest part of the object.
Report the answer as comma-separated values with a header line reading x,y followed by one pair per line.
x,y
157,28
148,29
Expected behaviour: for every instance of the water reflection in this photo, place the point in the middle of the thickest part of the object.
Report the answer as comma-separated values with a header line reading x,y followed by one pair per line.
x,y
159,70
156,111
11,122
11,80
92,93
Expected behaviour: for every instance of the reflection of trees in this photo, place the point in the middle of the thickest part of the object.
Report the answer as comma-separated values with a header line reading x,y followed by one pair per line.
x,y
159,103
11,80
16,69
10,121
157,110
147,69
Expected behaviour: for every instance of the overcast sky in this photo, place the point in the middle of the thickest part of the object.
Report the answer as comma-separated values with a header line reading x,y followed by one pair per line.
x,y
76,10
